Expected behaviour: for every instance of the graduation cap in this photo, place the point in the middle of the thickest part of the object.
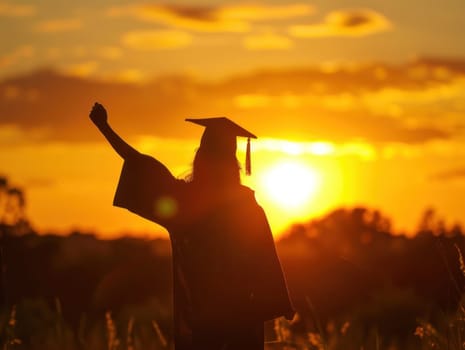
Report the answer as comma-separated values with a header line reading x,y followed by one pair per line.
x,y
219,138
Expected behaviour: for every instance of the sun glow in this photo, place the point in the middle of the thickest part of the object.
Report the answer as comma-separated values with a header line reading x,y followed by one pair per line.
x,y
290,185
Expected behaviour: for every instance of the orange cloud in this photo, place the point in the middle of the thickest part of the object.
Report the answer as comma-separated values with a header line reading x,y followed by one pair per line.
x,y
147,40
193,18
110,52
14,92
211,18
250,101
268,41
16,55
266,12
285,101
449,175
130,75
15,10
59,25
341,105
353,23
83,69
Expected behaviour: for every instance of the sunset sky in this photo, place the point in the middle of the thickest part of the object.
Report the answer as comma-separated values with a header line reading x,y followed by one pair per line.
x,y
357,102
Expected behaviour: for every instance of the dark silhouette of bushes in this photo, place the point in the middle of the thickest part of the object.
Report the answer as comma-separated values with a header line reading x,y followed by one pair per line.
x,y
350,267
346,268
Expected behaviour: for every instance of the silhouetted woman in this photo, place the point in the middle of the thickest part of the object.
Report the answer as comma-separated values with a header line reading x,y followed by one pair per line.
x,y
227,276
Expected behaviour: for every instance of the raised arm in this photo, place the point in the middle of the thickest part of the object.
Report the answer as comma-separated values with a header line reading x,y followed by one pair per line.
x,y
98,115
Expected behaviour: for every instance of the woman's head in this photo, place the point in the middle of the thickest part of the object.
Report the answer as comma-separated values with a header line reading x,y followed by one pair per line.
x,y
212,170
215,162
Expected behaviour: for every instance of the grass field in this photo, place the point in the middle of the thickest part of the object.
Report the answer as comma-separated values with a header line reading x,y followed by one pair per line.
x,y
38,325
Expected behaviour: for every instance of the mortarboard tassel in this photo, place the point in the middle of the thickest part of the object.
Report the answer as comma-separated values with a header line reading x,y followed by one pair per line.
x,y
248,165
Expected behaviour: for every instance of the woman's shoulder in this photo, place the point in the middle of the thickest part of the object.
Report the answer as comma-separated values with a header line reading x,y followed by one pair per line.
x,y
247,191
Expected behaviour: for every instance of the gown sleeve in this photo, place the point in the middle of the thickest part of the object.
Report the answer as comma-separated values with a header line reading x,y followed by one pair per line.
x,y
273,289
147,188
271,296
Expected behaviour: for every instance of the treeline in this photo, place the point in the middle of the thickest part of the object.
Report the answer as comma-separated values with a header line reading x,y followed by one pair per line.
x,y
350,267
345,268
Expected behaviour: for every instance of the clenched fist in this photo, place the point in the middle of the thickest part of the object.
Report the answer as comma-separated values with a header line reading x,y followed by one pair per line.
x,y
98,115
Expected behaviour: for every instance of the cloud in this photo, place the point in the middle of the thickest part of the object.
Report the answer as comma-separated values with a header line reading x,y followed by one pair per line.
x,y
266,12
353,23
250,101
40,182
232,18
110,52
267,41
307,104
82,69
15,135
314,117
21,52
318,148
13,92
59,25
10,134
130,75
194,18
106,52
449,175
148,40
54,53
284,101
15,10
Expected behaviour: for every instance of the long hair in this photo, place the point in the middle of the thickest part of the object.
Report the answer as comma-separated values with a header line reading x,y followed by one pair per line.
x,y
213,171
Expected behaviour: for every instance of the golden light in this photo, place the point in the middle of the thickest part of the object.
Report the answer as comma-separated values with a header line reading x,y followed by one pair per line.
x,y
321,148
290,184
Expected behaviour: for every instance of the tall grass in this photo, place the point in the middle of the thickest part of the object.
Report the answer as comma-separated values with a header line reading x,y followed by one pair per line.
x,y
115,334
36,325
10,340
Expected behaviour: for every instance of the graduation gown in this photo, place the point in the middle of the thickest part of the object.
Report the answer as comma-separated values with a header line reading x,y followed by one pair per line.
x,y
225,267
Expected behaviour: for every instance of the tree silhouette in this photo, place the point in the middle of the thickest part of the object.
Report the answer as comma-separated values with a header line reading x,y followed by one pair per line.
x,y
12,222
12,206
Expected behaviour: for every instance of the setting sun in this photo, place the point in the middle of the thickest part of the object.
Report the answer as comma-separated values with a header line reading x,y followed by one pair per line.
x,y
290,184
